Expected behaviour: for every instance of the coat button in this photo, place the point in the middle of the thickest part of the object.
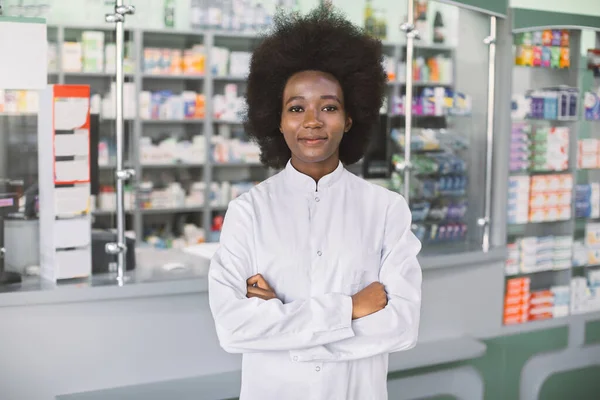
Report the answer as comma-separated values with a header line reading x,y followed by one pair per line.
x,y
319,253
317,199
295,358
318,369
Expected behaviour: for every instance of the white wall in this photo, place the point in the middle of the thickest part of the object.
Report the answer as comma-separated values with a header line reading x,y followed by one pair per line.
x,y
149,13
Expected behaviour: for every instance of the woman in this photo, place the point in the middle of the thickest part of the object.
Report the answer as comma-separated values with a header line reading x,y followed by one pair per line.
x,y
316,279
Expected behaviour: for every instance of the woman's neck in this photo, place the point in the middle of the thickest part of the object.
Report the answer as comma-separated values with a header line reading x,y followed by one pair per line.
x,y
316,170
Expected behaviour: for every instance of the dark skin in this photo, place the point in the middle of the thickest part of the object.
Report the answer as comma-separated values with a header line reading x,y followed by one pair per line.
x,y
313,123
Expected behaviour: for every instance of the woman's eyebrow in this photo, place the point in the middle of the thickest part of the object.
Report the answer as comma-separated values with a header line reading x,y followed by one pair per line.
x,y
324,97
331,97
294,98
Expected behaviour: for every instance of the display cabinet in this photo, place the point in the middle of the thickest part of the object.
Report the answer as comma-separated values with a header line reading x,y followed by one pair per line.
x,y
447,75
184,141
553,190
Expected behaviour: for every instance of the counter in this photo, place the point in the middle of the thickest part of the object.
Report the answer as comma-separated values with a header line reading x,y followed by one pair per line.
x,y
154,275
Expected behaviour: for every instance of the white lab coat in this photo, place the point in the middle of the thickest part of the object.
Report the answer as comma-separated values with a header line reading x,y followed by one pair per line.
x,y
316,245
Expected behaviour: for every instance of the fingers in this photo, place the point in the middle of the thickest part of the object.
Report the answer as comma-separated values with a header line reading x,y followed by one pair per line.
x,y
259,281
254,291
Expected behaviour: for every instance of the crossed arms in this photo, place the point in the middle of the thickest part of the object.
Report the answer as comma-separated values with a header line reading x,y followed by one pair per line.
x,y
382,318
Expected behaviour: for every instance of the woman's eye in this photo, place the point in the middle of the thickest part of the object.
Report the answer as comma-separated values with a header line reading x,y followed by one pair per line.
x,y
295,109
330,108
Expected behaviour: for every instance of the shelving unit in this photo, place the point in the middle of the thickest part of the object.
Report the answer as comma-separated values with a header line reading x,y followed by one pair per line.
x,y
208,84
548,269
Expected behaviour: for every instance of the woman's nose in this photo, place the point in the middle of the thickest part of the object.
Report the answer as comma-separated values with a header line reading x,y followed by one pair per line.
x,y
312,120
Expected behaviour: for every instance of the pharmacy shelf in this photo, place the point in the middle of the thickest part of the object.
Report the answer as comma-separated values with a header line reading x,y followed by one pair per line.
x,y
539,78
586,266
434,46
105,213
82,74
236,34
238,165
174,77
173,210
18,114
533,173
174,38
231,78
172,121
542,271
172,165
228,121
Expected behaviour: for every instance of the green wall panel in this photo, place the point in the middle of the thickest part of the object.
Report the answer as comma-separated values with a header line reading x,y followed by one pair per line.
x,y
494,7
501,366
592,334
579,384
524,19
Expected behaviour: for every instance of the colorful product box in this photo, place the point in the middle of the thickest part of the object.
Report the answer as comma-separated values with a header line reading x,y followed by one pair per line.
x,y
591,103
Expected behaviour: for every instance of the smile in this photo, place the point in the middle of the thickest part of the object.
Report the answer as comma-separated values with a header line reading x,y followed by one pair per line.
x,y
313,141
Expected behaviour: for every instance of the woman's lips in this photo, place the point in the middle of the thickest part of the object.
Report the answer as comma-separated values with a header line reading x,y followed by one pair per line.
x,y
313,141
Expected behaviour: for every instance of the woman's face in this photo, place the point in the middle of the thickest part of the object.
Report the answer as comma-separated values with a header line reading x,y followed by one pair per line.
x,y
313,117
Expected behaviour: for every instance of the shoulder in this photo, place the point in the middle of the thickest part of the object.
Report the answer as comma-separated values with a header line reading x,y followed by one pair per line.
x,y
247,202
375,193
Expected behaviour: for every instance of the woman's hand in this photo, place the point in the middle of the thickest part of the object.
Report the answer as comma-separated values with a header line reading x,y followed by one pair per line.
x,y
258,287
371,299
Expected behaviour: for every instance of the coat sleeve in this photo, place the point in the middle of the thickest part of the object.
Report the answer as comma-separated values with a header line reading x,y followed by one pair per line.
x,y
395,327
252,325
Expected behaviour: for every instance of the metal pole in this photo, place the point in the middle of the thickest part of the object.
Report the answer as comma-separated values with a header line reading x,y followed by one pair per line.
x,y
120,247
485,221
411,35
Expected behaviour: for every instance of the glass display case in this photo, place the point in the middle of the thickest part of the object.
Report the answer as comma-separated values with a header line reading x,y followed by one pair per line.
x,y
190,156
447,75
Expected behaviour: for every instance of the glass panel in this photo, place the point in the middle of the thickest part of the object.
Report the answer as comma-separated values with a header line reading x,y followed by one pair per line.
x,y
450,74
586,263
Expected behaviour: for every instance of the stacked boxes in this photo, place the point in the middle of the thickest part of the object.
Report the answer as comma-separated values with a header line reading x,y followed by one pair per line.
x,y
587,201
550,149
93,55
71,57
516,301
540,148
588,251
522,305
550,198
92,43
546,304
520,153
585,293
546,49
592,243
518,199
166,105
588,155
562,295
591,103
534,254
190,61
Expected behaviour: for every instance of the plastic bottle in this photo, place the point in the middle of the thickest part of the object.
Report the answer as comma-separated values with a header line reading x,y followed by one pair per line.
x,y
226,15
169,16
369,18
198,14
439,33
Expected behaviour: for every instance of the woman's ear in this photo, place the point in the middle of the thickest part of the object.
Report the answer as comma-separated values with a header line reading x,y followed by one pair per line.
x,y
348,124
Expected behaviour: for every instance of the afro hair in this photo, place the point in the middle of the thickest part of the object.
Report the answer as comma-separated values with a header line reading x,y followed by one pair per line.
x,y
322,40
